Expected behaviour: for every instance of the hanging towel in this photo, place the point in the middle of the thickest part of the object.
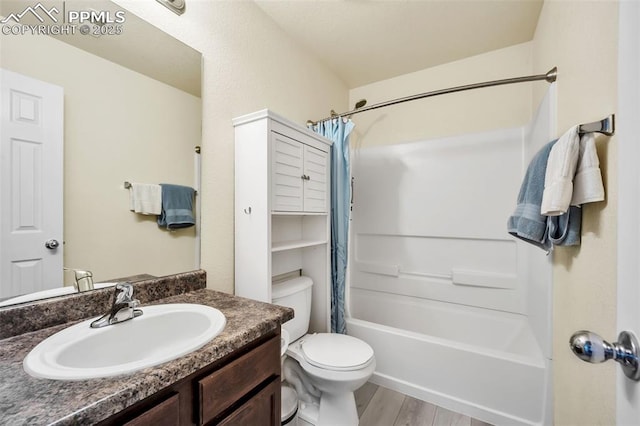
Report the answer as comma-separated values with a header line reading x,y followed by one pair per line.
x,y
561,168
587,184
145,198
527,223
177,206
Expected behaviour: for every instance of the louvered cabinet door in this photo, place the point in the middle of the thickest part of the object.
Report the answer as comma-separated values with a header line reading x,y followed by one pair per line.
x,y
299,176
316,168
287,170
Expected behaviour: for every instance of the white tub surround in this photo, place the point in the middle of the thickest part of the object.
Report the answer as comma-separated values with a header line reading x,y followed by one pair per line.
x,y
457,311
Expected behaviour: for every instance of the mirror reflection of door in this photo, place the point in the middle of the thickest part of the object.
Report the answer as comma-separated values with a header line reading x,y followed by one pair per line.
x,y
31,185
132,113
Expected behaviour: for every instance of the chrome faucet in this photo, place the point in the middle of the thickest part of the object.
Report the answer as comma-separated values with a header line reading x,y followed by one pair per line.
x,y
83,280
124,307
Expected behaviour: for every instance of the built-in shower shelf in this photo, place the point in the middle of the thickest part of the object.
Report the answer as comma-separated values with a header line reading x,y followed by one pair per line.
x,y
290,245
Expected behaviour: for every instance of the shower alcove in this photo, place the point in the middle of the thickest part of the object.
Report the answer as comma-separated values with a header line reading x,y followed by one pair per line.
x,y
457,311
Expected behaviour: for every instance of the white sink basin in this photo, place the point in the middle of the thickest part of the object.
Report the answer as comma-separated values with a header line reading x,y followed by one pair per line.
x,y
161,334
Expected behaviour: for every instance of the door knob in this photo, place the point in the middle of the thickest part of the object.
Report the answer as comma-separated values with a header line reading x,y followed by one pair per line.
x,y
52,244
590,347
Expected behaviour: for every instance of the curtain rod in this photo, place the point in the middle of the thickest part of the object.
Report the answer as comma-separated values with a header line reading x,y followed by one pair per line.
x,y
550,77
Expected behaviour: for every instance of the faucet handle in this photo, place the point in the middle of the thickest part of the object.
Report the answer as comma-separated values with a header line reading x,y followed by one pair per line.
x,y
124,293
123,308
124,296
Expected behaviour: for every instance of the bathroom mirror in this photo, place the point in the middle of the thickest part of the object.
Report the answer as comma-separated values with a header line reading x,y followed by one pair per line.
x,y
132,113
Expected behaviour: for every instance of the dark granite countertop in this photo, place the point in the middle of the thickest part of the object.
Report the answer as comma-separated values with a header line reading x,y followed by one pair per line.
x,y
25,400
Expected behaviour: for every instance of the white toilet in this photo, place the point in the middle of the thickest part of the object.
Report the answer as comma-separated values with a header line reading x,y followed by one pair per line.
x,y
324,368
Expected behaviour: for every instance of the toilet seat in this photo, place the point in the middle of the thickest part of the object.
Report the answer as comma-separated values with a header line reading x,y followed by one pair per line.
x,y
337,352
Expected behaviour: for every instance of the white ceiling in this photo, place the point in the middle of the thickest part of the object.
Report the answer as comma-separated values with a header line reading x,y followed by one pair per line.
x,y
369,40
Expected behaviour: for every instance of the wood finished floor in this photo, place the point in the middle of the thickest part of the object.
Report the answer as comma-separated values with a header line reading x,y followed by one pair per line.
x,y
379,406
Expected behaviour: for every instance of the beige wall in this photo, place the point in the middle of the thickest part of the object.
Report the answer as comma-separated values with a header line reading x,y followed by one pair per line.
x,y
119,126
458,113
580,37
249,64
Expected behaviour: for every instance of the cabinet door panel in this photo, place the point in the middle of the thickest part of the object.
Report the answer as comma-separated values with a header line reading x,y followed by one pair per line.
x,y
261,410
286,171
219,390
315,188
166,413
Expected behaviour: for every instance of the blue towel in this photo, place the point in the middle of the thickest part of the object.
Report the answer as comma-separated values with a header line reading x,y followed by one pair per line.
x,y
177,206
528,224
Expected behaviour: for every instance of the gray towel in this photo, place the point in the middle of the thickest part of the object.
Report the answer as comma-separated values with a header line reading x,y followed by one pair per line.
x,y
177,206
528,224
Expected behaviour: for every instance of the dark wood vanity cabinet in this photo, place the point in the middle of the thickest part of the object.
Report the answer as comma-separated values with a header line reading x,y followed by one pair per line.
x,y
241,389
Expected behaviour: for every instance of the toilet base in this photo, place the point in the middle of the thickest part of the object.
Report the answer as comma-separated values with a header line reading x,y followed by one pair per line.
x,y
308,414
334,410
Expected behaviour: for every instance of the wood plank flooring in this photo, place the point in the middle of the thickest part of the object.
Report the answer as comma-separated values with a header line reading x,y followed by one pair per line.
x,y
379,406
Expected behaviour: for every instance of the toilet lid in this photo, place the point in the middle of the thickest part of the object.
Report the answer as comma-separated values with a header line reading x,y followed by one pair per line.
x,y
336,351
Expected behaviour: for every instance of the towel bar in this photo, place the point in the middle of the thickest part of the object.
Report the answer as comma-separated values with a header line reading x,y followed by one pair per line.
x,y
127,185
606,126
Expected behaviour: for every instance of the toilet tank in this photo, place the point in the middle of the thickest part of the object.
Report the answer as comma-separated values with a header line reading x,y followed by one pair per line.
x,y
294,293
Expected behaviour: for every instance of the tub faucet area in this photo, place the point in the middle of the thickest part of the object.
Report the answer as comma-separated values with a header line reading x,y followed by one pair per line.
x,y
124,307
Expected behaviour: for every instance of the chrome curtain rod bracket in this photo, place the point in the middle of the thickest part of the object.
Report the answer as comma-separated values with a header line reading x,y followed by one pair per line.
x,y
549,77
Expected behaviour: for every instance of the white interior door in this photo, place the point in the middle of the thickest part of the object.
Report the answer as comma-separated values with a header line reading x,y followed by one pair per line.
x,y
31,203
628,116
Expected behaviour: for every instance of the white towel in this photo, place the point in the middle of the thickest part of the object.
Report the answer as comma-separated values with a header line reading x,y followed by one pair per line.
x,y
561,168
145,198
587,184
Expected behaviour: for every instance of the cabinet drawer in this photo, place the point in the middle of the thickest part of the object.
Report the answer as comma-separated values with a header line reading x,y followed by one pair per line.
x,y
229,384
261,410
166,413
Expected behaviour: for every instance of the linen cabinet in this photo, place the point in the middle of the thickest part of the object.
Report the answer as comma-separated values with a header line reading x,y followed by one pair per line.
x,y
282,205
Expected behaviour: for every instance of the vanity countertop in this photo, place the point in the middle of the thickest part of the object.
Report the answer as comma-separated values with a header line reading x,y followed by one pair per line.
x,y
27,400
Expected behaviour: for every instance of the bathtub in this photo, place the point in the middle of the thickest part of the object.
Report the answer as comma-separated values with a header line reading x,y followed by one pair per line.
x,y
479,362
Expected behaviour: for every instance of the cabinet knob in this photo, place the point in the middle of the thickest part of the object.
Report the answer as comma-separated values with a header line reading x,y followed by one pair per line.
x,y
247,210
305,177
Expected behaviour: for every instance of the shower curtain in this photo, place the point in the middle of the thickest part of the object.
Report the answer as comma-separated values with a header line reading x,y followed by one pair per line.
x,y
338,131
